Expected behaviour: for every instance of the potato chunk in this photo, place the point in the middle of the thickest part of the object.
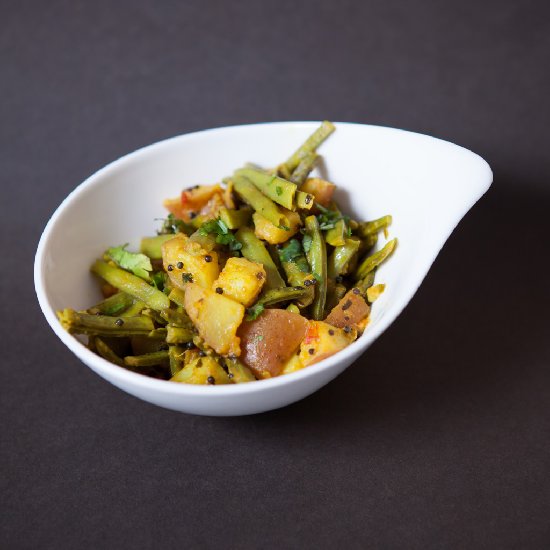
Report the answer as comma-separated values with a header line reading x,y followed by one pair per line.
x,y
323,340
269,341
349,311
265,230
241,280
187,261
322,190
203,370
216,317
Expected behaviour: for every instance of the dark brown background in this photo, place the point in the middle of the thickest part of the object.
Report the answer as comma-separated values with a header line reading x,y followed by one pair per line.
x,y
440,436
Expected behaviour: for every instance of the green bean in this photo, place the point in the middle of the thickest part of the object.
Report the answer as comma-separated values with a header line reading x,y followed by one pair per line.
x,y
341,256
103,325
177,296
175,358
107,353
373,227
238,373
132,285
293,308
178,335
147,359
234,219
304,201
254,250
285,294
309,146
250,194
152,246
113,305
306,165
336,236
364,284
317,258
335,292
208,242
176,317
297,273
374,260
277,189
134,310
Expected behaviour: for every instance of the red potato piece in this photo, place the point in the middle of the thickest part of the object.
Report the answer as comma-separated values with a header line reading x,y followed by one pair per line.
x,y
349,311
268,342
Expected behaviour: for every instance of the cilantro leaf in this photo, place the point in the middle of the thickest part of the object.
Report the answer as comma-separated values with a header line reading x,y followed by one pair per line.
x,y
138,264
173,225
291,251
279,190
327,218
223,235
306,242
252,313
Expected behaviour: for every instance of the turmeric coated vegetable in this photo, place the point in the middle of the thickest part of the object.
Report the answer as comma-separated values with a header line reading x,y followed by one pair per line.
x,y
259,276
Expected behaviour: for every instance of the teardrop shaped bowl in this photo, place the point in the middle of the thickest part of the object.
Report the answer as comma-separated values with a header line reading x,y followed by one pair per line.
x,y
426,184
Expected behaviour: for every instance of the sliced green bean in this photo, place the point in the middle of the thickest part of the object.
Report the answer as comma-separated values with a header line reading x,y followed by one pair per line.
x,y
113,305
107,353
277,189
176,317
336,236
254,250
302,171
364,284
277,295
341,257
147,359
304,201
152,246
132,285
177,296
175,359
374,260
178,335
309,146
373,227
134,310
103,325
235,219
317,258
250,194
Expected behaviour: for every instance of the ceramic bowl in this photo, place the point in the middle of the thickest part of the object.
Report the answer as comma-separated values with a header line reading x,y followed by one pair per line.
x,y
427,185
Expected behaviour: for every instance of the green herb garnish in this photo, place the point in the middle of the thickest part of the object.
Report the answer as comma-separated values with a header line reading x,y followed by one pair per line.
x,y
138,264
252,313
223,235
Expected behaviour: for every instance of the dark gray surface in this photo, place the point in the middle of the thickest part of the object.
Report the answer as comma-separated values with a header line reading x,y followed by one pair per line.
x,y
439,436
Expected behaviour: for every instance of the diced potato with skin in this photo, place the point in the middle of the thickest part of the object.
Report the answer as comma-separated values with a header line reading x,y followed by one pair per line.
x,y
269,341
349,311
265,230
323,340
293,364
204,370
322,190
216,318
241,280
182,255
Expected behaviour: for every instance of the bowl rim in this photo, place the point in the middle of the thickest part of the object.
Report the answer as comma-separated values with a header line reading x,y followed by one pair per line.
x,y
101,365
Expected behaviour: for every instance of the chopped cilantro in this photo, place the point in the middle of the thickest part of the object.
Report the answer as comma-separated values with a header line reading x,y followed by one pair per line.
x,y
187,277
306,242
158,279
173,225
291,251
223,235
138,264
252,313
279,190
327,218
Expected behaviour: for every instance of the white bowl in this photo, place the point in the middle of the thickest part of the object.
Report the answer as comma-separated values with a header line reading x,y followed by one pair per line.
x,y
427,184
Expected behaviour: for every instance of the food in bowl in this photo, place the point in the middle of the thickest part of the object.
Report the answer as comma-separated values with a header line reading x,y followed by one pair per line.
x,y
250,278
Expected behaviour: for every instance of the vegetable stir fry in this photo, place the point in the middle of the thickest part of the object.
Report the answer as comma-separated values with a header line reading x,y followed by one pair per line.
x,y
254,277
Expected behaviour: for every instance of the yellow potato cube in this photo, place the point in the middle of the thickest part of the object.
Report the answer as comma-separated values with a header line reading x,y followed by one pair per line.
x,y
265,230
216,317
240,280
293,364
187,261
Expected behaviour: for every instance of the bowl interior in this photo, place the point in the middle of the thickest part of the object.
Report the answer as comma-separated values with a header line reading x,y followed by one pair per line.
x,y
426,184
